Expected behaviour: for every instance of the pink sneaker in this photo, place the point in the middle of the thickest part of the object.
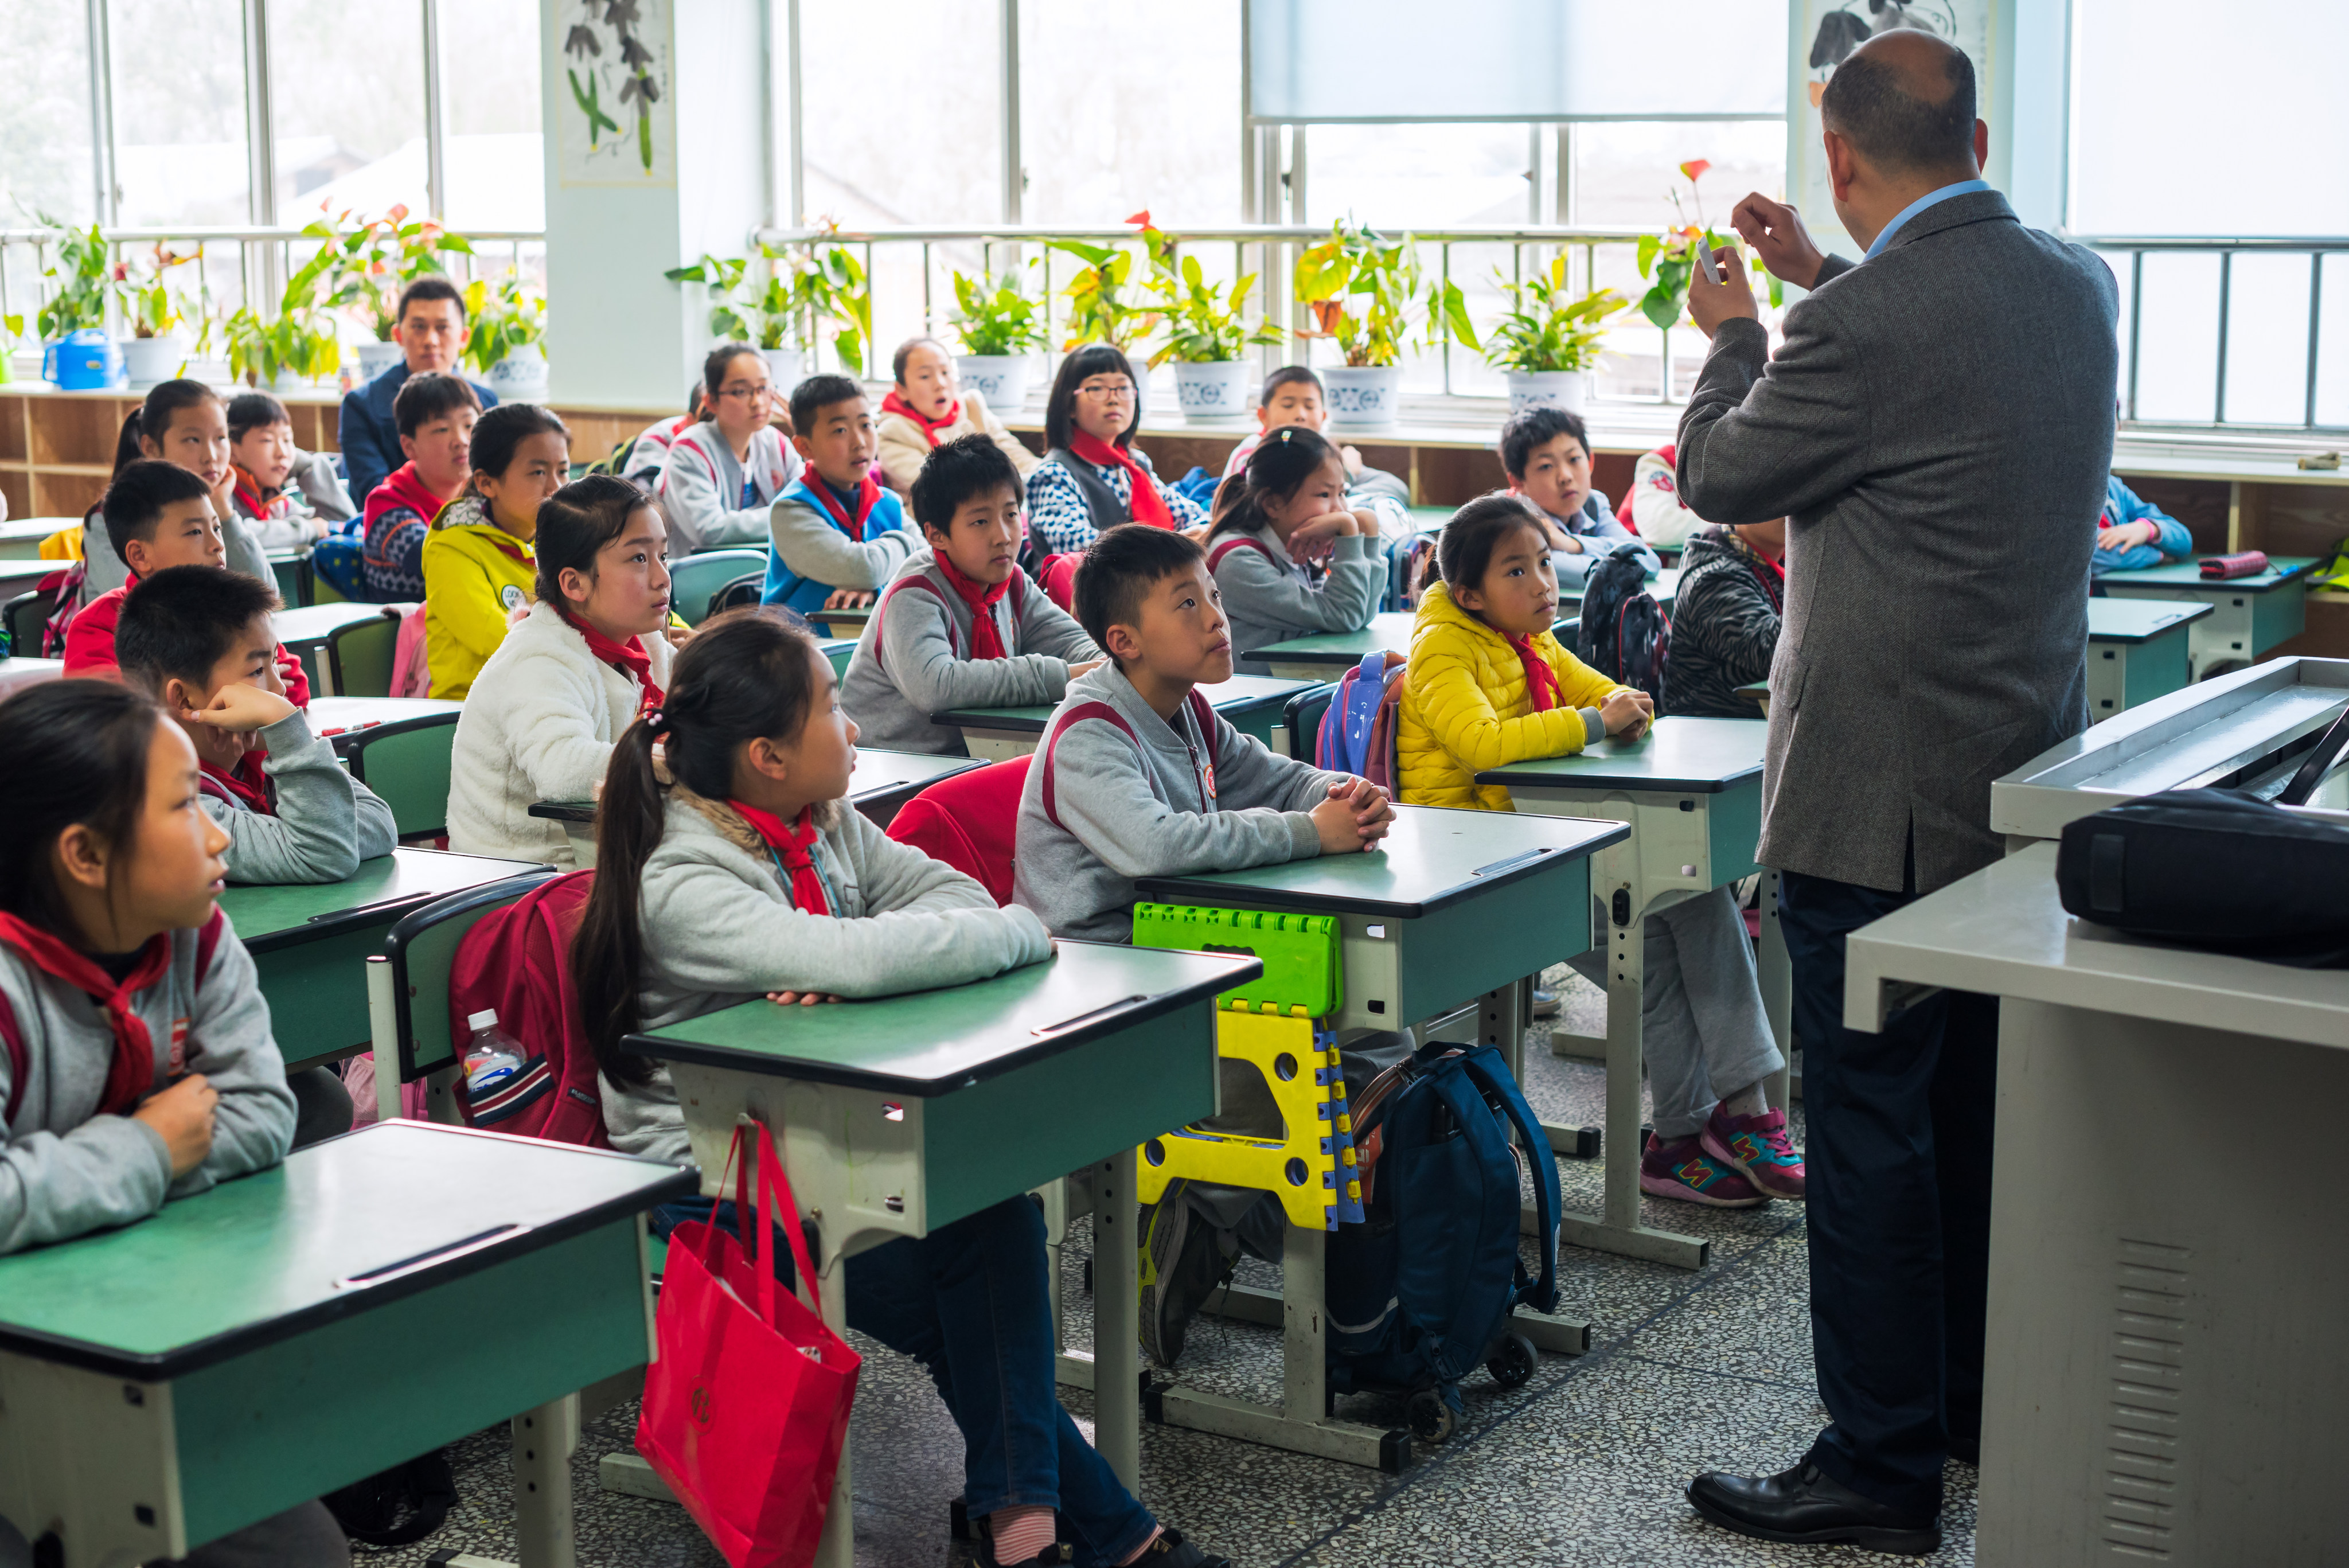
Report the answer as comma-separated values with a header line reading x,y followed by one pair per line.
x,y
1681,1169
1758,1145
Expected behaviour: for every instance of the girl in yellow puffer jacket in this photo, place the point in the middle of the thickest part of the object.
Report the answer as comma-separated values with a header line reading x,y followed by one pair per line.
x,y
1489,685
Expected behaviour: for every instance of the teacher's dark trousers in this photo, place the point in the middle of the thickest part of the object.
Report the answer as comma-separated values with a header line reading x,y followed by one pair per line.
x,y
1899,1157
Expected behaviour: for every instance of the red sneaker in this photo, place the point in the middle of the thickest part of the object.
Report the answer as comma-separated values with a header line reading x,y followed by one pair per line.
x,y
1681,1169
1758,1145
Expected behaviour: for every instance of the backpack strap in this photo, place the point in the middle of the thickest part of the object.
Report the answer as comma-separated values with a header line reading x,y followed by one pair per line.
x,y
1077,714
1205,717
880,612
12,1040
1485,1067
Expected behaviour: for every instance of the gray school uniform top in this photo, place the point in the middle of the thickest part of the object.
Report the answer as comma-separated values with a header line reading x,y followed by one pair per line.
x,y
326,821
720,927
914,658
64,1170
1115,793
1596,526
1269,598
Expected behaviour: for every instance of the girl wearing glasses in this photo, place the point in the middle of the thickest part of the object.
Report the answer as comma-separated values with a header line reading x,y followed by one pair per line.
x,y
724,472
1092,479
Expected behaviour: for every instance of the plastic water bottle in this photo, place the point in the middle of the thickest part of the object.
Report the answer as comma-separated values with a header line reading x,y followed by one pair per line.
x,y
493,1056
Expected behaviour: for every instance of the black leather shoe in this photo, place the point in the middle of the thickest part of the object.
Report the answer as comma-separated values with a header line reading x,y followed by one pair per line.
x,y
1806,1504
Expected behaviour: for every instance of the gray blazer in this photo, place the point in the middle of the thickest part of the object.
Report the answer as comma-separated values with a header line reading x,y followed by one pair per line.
x,y
1938,426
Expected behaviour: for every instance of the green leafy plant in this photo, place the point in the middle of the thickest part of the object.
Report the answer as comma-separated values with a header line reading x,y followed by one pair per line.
x,y
375,258
300,339
83,278
833,286
1206,325
1543,329
996,317
12,332
152,307
1100,308
503,319
777,305
1670,258
1366,293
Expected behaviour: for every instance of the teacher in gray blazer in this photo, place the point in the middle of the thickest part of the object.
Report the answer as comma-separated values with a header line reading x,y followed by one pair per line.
x,y
1937,426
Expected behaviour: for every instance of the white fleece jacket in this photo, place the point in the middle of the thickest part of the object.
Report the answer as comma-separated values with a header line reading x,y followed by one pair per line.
x,y
538,724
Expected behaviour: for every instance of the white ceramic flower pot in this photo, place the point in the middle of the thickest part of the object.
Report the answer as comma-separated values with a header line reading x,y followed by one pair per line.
x,y
1363,395
521,376
1564,390
1212,393
375,359
147,360
1000,379
783,370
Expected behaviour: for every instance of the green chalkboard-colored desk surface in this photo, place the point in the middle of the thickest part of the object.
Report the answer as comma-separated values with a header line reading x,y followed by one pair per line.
x,y
1326,655
842,625
2249,614
165,1383
1253,703
311,942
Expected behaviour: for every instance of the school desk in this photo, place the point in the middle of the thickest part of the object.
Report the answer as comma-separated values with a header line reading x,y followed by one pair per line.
x,y
1758,693
21,537
842,623
904,1114
311,940
304,631
291,570
2159,1383
837,650
1453,907
2250,615
336,717
167,1383
2138,649
1691,791
17,673
883,781
1253,704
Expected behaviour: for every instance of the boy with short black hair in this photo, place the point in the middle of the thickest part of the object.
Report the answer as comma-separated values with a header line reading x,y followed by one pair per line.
x,y
961,625
288,497
198,640
435,414
1545,451
838,533
1293,395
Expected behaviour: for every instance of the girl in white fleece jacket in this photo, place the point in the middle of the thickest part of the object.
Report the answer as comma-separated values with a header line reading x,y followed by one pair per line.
x,y
591,655
746,876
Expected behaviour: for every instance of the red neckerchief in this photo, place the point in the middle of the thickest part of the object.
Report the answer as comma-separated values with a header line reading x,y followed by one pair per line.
x,y
985,637
1147,505
517,548
894,404
132,1072
868,491
400,489
1541,681
794,845
248,490
629,658
252,790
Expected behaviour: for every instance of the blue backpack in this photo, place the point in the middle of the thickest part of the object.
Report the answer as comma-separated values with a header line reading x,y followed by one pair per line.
x,y
1424,1289
1343,744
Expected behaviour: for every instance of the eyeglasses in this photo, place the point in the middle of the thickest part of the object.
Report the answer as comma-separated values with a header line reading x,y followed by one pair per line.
x,y
749,394
1117,392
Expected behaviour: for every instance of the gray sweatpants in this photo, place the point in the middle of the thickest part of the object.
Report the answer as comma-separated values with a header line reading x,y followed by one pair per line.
x,y
1707,1035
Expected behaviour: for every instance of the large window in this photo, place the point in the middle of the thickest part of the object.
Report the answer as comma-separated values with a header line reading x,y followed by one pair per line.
x,y
337,148
180,149
1130,105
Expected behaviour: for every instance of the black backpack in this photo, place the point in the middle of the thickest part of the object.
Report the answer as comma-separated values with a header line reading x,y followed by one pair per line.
x,y
397,1507
1624,635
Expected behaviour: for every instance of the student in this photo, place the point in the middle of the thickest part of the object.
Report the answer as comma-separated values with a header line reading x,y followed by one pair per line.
x,y
432,335
1547,454
648,455
1293,395
723,474
181,422
265,462
436,415
961,626
1092,479
1489,685
1653,508
569,677
2133,533
839,533
749,876
199,642
158,515
1725,616
478,569
926,410
1286,508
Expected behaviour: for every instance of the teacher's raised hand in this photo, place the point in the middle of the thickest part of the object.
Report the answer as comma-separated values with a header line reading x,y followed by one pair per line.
x,y
1775,232
1714,297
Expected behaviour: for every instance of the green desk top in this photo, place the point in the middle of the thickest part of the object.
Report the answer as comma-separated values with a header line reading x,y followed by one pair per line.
x,y
382,891
342,1226
1678,756
878,776
313,623
2140,620
1433,858
929,1042
1389,631
1238,694
333,715
2282,569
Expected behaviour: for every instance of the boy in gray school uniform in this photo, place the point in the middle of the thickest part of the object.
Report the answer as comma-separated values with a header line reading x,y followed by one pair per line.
x,y
199,640
961,625
1138,776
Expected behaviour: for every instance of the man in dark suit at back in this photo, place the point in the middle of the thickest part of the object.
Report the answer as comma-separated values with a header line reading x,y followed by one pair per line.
x,y
432,335
1937,427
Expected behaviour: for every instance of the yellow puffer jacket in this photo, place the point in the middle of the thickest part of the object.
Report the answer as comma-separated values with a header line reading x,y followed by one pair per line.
x,y
475,573
1464,708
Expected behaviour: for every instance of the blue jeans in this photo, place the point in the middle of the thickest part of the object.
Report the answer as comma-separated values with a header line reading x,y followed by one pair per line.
x,y
969,1302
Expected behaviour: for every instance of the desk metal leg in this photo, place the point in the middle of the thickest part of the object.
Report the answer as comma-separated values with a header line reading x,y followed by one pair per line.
x,y
1775,975
837,1549
1117,1322
543,1442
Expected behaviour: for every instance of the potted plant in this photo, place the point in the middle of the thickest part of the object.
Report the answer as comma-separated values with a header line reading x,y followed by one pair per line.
x,y
1365,292
999,325
299,343
1669,259
76,354
373,260
156,350
1207,334
1546,342
12,331
739,313
775,314
1101,310
509,325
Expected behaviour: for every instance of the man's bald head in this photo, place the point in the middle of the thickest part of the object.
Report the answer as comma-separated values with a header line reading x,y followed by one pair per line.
x,y
1905,101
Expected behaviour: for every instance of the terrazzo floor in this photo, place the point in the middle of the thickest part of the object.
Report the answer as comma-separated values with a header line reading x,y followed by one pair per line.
x,y
1584,1464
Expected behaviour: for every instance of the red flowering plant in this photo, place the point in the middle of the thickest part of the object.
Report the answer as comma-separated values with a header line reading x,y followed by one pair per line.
x,y
368,261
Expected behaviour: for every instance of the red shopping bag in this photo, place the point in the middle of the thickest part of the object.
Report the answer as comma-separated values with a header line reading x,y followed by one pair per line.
x,y
746,1406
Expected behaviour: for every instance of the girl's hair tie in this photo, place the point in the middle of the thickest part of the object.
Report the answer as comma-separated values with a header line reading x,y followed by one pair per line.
x,y
657,721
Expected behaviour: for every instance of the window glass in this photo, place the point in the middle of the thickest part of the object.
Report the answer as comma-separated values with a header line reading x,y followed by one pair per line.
x,y
1626,173
44,116
1127,107
1417,176
180,151
495,159
359,152
936,156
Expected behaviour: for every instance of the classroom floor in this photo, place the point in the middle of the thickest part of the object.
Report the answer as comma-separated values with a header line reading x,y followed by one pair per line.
x,y
1585,1464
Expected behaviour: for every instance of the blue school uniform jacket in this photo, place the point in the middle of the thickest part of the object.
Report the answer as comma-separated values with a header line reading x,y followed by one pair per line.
x,y
810,553
2123,504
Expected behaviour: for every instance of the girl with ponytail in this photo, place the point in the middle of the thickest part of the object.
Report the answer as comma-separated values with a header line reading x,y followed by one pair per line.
x,y
1289,556
183,424
728,868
